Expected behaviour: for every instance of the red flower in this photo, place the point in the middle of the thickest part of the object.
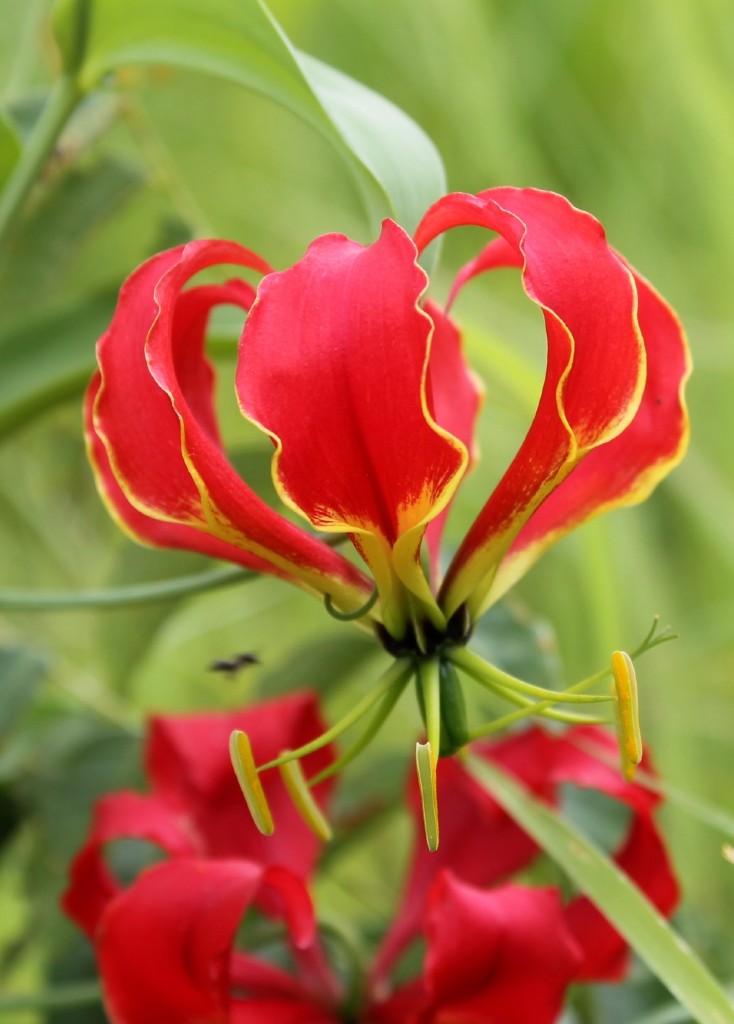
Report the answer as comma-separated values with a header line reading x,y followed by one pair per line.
x,y
195,809
492,957
166,946
483,846
363,389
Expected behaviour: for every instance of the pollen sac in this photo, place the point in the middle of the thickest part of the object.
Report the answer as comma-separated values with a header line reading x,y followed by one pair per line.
x,y
425,762
628,718
244,768
299,792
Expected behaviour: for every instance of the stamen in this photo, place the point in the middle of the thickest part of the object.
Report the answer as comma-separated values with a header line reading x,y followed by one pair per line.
x,y
503,684
388,703
387,680
426,753
425,763
243,763
298,788
528,708
628,719
429,682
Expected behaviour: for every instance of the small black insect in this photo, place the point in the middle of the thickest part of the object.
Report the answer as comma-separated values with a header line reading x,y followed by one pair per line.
x,y
231,666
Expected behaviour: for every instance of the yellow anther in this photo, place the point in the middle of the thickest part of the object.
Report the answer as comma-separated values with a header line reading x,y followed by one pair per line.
x,y
425,763
243,763
300,794
628,718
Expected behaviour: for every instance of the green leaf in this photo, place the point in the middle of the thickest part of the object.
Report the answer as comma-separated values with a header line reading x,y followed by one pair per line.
x,y
21,673
9,149
49,358
65,222
396,166
614,894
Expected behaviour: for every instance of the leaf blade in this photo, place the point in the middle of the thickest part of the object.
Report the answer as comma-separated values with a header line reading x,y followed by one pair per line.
x,y
654,940
241,41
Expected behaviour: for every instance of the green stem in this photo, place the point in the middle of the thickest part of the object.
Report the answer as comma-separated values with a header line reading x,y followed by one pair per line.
x,y
495,679
84,993
544,709
383,712
12,600
389,679
63,98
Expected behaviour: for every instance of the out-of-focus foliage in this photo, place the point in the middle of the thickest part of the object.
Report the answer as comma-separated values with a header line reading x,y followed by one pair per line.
x,y
627,109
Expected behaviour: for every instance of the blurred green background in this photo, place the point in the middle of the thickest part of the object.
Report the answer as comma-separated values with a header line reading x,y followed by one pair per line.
x,y
627,109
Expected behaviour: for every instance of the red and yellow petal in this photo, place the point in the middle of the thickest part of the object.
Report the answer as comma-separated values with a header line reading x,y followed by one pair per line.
x,y
333,366
152,431
595,369
454,395
625,470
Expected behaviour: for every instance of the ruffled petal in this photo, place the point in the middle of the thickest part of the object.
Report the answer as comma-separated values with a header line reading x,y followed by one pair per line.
x,y
152,432
333,366
164,946
489,957
595,369
625,470
187,759
118,816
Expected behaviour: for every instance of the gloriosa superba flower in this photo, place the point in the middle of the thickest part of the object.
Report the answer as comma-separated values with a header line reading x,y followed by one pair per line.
x,y
362,385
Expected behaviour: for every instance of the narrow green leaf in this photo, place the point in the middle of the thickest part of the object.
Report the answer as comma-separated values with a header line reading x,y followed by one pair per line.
x,y
396,166
645,929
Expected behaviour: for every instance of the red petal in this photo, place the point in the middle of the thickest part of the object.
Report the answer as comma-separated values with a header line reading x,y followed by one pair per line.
x,y
332,366
454,397
503,955
595,365
188,762
152,432
141,526
118,816
165,944
625,470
